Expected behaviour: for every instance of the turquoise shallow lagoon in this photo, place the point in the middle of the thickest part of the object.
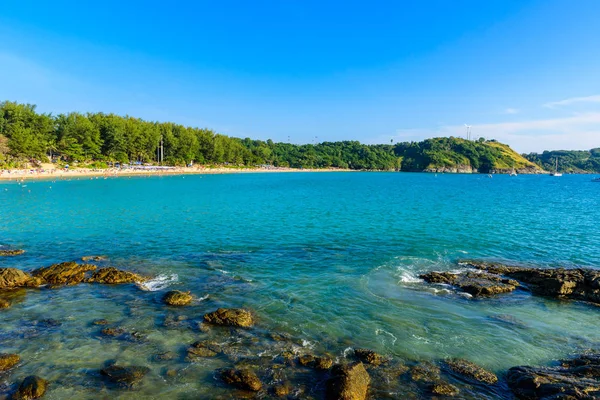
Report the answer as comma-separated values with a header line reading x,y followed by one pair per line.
x,y
332,259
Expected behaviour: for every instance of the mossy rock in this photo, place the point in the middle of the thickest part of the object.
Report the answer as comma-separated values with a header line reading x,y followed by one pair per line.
x,y
230,317
177,298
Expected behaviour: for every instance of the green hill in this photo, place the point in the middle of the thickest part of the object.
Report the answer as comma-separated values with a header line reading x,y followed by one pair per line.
x,y
460,155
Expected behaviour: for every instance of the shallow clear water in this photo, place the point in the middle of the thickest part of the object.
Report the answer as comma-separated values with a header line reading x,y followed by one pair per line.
x,y
330,258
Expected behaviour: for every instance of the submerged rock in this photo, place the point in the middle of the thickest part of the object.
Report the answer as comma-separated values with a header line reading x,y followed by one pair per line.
x,y
322,363
474,283
577,284
66,273
32,387
202,349
100,322
11,253
114,332
93,258
426,372
472,370
7,361
177,298
4,303
230,317
578,378
125,375
13,278
242,379
111,275
444,389
369,357
348,382
280,389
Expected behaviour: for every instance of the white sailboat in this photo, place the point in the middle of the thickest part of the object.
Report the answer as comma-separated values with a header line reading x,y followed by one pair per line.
x,y
556,173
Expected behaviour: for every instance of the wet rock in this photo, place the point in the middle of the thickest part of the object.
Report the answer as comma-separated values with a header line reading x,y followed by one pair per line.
x,y
230,317
166,356
321,363
32,387
129,375
93,258
575,379
577,284
11,253
114,332
426,372
100,322
66,273
472,370
7,361
114,276
369,357
176,322
475,283
4,303
177,298
14,278
242,379
202,349
280,389
444,389
348,382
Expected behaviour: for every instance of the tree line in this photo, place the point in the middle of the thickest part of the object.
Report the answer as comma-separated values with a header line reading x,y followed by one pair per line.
x,y
569,161
28,137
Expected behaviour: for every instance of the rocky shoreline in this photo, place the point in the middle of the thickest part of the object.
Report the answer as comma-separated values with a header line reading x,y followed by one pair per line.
x,y
289,370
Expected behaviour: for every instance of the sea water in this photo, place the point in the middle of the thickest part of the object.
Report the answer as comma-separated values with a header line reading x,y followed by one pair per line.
x,y
330,259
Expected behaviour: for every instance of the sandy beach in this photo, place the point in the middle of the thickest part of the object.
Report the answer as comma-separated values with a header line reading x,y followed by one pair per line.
x,y
66,173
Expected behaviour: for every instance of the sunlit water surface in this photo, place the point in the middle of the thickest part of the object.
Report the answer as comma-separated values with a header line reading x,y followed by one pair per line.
x,y
330,258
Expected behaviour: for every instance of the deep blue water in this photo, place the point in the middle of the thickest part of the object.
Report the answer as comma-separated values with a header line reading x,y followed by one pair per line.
x,y
331,258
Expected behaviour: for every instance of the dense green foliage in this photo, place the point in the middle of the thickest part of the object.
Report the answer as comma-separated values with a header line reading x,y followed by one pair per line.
x,y
569,161
27,136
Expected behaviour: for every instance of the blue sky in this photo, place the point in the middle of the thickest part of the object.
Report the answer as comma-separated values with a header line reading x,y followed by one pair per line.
x,y
524,72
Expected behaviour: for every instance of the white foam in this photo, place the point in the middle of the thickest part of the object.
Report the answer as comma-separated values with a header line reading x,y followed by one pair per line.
x,y
409,277
384,332
307,343
203,297
159,283
348,351
223,271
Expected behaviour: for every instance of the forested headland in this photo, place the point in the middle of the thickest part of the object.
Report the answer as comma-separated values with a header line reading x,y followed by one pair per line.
x,y
28,138
569,161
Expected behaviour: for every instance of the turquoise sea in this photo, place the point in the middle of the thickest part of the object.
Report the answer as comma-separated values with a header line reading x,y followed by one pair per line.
x,y
330,259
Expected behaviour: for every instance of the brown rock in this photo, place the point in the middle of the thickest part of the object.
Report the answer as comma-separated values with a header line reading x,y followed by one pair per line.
x,y
115,276
93,258
281,389
475,283
32,387
66,273
177,298
426,372
230,317
112,332
472,370
4,303
444,389
7,361
311,361
202,349
129,375
242,379
369,357
348,382
13,278
11,253
100,322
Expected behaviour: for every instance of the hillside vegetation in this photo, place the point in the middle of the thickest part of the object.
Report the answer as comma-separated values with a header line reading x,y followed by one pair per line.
x,y
569,161
97,139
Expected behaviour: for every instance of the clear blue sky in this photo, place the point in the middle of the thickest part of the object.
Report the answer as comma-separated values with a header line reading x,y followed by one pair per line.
x,y
525,72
